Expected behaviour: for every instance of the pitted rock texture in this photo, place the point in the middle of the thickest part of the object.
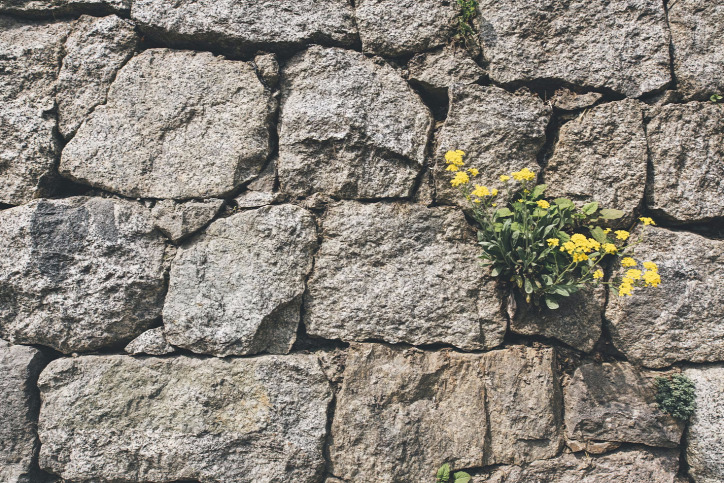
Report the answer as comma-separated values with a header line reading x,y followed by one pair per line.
x,y
349,127
177,220
568,100
436,71
30,56
394,28
681,319
152,342
19,366
617,402
54,8
602,156
686,142
244,26
697,34
237,288
94,52
619,45
625,466
401,411
577,322
263,190
267,66
499,131
79,274
177,124
401,273
211,420
705,433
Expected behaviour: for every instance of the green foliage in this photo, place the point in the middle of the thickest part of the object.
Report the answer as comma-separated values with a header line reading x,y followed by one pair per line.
x,y
443,475
716,98
676,396
468,11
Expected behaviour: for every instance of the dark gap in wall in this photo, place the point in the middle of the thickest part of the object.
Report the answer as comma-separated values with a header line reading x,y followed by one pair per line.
x,y
68,14
437,101
5,206
674,80
552,133
605,347
512,338
545,88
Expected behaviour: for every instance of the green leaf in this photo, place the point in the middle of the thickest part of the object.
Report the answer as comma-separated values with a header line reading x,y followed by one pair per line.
x,y
503,213
563,203
528,286
598,235
609,214
538,191
590,208
551,302
564,237
443,474
461,477
495,271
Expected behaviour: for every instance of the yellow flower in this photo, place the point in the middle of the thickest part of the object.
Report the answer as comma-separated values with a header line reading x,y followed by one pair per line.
x,y
473,172
480,191
652,279
494,204
553,242
609,248
476,200
543,204
461,178
504,178
452,167
607,231
622,234
628,262
569,247
598,274
579,240
455,157
633,274
579,257
593,244
523,175
494,192
625,289
647,221
651,266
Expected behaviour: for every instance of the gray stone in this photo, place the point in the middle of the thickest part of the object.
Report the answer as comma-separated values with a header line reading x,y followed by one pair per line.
x,y
349,127
686,142
30,56
267,66
79,274
601,156
401,27
263,190
436,71
625,466
705,433
617,402
54,8
245,26
577,322
592,447
177,220
697,36
402,412
401,273
94,52
152,342
618,45
19,444
182,124
567,100
500,132
237,288
120,418
681,320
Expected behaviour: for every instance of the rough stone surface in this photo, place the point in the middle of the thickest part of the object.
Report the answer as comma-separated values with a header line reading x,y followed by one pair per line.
x,y
617,402
211,420
54,8
30,55
401,273
267,66
687,154
705,433
244,26
182,124
577,322
681,320
500,132
94,52
19,367
402,27
625,466
402,411
697,36
619,45
152,342
177,220
568,100
349,127
237,288
601,156
79,274
436,71
262,191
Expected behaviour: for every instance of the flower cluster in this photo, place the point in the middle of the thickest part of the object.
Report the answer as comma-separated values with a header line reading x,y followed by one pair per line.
x,y
648,277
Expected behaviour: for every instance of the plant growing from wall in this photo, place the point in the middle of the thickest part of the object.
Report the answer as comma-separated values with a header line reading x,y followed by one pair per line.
x,y
675,395
468,11
443,475
716,98
549,249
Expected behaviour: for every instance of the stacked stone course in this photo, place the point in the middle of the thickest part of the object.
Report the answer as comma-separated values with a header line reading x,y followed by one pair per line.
x,y
230,252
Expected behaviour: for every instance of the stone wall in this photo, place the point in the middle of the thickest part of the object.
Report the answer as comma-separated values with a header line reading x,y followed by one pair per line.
x,y
230,252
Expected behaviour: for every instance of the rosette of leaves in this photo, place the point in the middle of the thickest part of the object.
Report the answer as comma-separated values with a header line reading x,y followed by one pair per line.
x,y
443,475
676,396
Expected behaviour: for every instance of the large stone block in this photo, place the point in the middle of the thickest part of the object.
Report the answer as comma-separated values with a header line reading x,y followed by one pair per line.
x,y
245,26
705,433
697,36
682,319
402,412
79,274
436,71
618,45
686,142
401,273
55,8
177,124
500,132
120,418
237,288
19,369
30,56
349,127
